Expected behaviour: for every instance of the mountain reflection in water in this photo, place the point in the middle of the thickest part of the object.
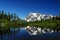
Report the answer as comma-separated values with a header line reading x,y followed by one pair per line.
x,y
22,34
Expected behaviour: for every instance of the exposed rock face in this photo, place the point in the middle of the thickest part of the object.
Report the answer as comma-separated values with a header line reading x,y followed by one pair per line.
x,y
37,31
37,16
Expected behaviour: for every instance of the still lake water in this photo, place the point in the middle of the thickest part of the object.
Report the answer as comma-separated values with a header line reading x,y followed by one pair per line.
x,y
22,34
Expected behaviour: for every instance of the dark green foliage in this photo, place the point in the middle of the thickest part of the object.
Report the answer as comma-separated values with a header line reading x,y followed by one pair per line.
x,y
8,16
53,23
12,20
9,19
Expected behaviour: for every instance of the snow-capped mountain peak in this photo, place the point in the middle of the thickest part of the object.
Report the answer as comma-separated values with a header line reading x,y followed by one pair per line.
x,y
37,16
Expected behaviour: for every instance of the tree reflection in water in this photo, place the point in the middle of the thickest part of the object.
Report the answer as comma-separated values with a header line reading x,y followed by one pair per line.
x,y
8,32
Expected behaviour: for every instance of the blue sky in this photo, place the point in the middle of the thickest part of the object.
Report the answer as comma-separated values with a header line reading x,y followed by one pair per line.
x,y
23,7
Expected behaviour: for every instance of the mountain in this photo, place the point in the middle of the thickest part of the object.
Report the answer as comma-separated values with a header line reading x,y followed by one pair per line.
x,y
37,16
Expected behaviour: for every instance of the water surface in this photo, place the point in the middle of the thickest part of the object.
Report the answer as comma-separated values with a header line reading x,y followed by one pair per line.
x,y
22,34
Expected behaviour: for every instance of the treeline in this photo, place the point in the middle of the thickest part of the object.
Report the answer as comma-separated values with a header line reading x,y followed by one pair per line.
x,y
53,23
8,19
8,16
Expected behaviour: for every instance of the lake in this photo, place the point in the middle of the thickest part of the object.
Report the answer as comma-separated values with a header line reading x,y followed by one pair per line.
x,y
22,34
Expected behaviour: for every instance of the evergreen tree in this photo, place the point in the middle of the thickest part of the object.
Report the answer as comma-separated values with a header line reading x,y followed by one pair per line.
x,y
14,16
5,16
9,16
2,14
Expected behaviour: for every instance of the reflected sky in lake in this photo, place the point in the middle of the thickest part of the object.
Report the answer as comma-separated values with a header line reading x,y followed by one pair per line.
x,y
22,34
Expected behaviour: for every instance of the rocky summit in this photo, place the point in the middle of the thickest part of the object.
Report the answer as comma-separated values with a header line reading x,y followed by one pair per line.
x,y
37,16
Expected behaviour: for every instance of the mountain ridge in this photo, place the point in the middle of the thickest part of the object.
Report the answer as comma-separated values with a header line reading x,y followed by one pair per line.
x,y
37,16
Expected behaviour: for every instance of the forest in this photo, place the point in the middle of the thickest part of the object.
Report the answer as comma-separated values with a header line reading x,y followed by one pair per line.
x,y
11,20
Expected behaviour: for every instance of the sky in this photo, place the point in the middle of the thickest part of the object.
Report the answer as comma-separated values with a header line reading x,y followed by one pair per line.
x,y
23,7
